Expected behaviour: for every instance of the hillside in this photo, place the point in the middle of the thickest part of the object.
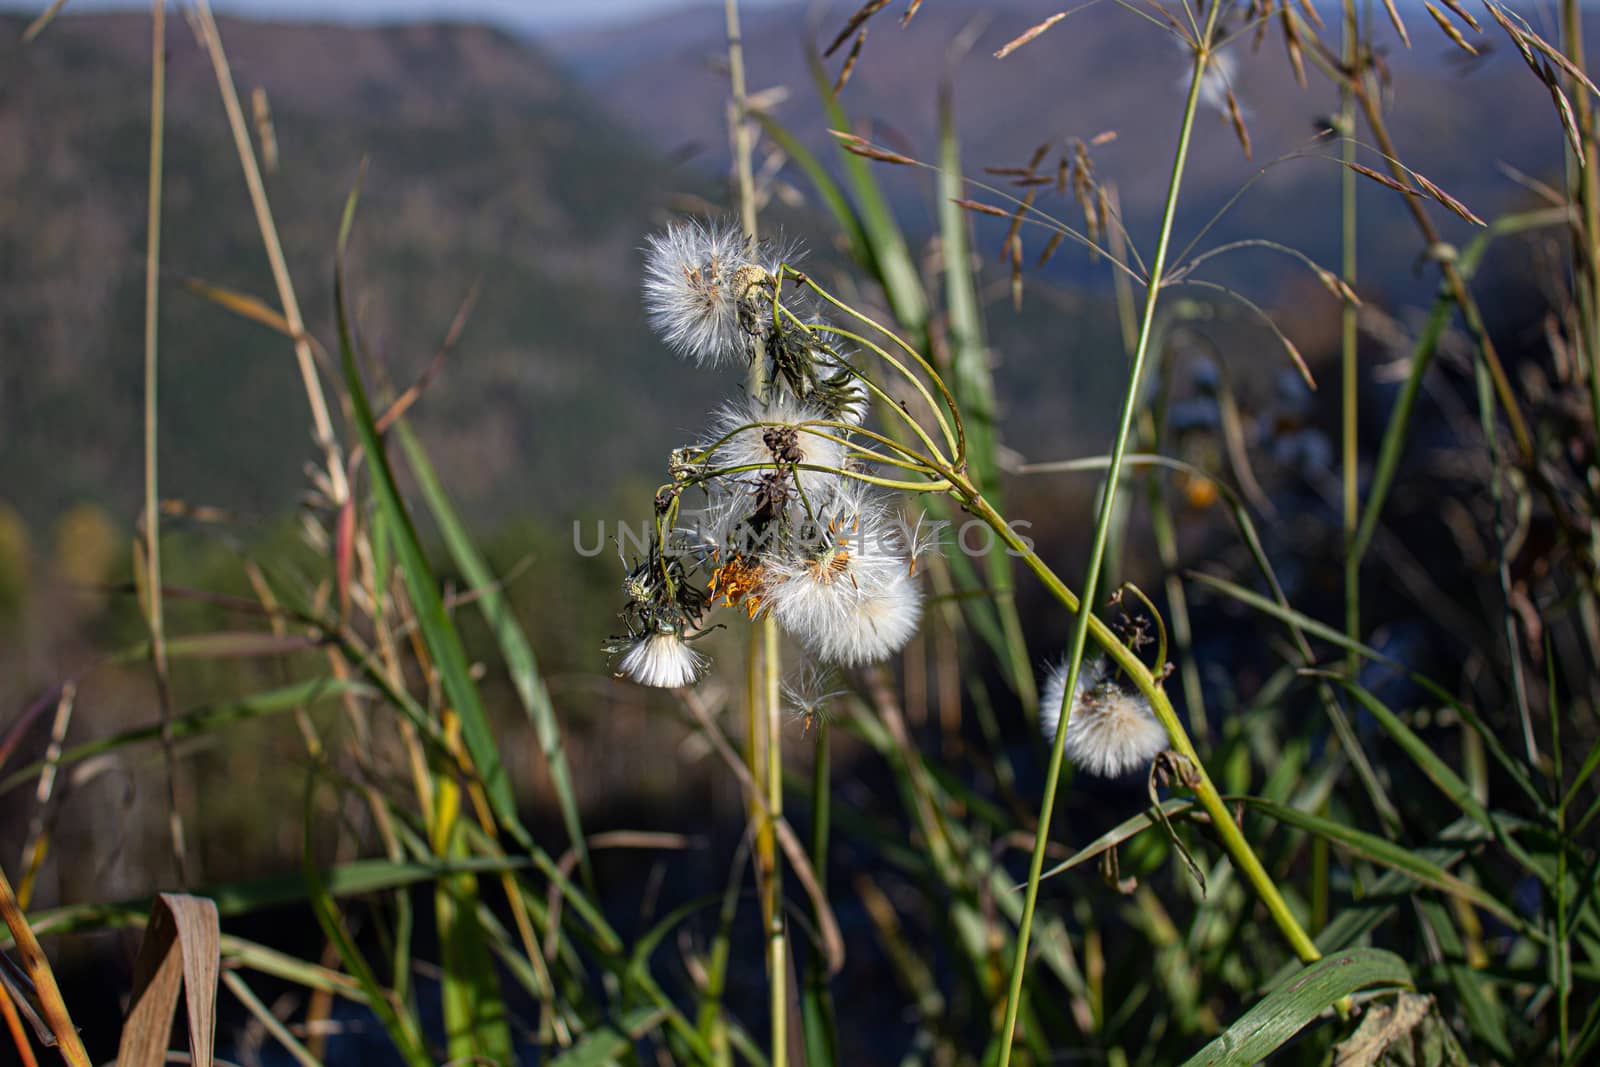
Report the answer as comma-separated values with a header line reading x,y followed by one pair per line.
x,y
485,165
1454,118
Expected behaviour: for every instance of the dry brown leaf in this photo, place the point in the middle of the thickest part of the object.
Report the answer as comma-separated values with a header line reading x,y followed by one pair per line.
x,y
181,947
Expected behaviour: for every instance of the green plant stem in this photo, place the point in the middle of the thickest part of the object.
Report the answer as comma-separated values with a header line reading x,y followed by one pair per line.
x,y
1084,613
765,708
1349,418
1085,620
1205,791
154,598
777,949
1585,185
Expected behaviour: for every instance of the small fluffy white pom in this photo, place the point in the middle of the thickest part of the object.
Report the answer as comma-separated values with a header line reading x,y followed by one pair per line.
x,y
691,277
1110,731
664,661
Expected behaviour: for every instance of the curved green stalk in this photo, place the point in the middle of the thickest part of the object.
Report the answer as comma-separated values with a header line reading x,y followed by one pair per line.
x,y
1085,620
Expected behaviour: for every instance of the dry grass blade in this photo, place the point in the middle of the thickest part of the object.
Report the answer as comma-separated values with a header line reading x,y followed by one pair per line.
x,y
850,62
1449,29
1463,14
1291,43
800,863
181,947
982,209
1311,14
1016,219
1103,137
1382,179
38,843
1236,117
1569,121
1050,248
1523,37
1398,23
37,969
414,392
1447,200
1014,252
19,1036
911,13
36,27
865,12
1029,34
266,133
242,304
882,155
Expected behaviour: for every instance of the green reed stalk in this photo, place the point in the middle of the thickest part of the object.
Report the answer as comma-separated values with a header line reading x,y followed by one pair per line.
x,y
154,606
1085,613
1585,185
1348,416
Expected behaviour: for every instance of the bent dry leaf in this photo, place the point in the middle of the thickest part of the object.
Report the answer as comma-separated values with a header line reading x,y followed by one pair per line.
x,y
181,948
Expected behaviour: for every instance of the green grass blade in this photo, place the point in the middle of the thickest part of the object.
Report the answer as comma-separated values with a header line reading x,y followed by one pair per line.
x,y
973,387
403,1030
1437,771
520,661
611,1043
1295,1003
828,190
1385,853
208,719
438,631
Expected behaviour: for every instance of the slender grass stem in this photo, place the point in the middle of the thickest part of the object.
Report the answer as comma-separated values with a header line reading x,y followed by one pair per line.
x,y
154,606
1349,412
766,636
211,40
1585,185
1085,620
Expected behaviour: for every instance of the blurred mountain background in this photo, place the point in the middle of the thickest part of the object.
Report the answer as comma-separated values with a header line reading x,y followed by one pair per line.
x,y
531,166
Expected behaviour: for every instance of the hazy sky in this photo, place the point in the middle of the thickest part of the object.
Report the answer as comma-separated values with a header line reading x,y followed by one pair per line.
x,y
526,13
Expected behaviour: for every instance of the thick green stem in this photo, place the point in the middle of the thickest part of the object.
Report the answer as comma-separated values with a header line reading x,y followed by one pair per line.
x,y
1233,840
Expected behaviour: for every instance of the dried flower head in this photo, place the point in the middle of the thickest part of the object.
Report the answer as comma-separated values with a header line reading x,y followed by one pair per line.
x,y
775,437
1110,730
699,282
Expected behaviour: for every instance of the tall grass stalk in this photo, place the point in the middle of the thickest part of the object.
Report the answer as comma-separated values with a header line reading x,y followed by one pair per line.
x,y
1085,609
766,712
155,617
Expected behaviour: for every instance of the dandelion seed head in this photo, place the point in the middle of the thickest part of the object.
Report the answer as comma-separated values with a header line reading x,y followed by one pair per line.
x,y
848,597
748,428
662,660
1111,730
696,276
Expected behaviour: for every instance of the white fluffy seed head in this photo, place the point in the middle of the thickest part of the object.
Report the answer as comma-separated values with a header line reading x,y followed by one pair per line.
x,y
695,275
1110,730
848,597
749,446
662,660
